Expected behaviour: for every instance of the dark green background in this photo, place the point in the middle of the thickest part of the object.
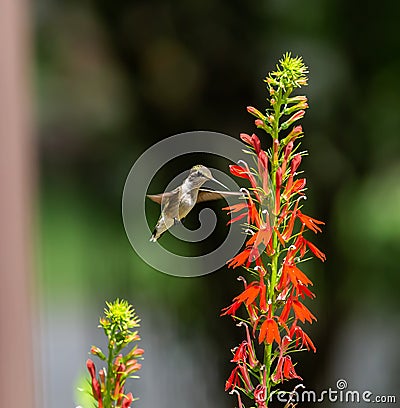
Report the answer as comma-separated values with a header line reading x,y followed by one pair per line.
x,y
113,78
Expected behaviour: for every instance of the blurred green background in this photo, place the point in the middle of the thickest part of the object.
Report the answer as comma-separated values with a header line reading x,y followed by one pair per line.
x,y
113,78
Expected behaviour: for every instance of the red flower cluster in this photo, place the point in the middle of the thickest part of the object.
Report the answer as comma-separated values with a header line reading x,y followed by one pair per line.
x,y
270,315
273,218
122,367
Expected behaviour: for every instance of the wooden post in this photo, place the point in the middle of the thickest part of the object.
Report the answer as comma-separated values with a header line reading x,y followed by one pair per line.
x,y
16,200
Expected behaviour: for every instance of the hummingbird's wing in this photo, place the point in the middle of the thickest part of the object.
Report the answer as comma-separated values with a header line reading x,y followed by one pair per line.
x,y
209,195
157,198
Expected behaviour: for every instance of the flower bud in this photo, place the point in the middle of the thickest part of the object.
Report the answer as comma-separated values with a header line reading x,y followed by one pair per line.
x,y
102,377
97,352
134,353
275,149
295,163
255,112
91,368
296,116
288,150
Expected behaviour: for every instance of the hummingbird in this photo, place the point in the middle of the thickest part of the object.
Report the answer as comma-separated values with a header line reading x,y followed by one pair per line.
x,y
176,204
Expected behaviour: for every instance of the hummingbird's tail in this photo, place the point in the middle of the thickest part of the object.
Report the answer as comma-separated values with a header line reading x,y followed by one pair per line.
x,y
154,237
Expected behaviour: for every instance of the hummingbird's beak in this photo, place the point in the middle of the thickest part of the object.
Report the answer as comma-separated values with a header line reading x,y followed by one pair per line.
x,y
223,185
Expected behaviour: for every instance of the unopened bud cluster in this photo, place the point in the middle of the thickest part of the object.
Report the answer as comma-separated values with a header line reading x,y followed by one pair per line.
x,y
108,385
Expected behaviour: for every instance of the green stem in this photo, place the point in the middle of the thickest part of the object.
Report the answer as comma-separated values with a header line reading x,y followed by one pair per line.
x,y
275,256
271,301
107,397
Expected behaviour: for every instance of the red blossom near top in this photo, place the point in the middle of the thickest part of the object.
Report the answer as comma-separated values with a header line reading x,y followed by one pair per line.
x,y
239,171
244,172
262,161
252,140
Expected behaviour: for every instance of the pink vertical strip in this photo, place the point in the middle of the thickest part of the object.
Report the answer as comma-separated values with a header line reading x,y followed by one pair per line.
x,y
17,177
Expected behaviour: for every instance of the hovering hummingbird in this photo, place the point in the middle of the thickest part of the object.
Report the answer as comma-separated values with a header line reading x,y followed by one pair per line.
x,y
176,204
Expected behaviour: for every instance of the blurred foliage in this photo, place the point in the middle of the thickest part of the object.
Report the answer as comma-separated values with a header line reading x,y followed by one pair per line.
x,y
115,77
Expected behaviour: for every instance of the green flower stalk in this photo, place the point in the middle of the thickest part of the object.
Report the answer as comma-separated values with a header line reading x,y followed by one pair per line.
x,y
119,323
275,286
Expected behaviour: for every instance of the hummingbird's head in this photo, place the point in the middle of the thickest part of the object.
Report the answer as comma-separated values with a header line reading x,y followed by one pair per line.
x,y
200,174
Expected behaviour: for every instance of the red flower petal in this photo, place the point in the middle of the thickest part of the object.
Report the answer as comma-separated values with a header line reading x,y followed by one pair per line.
x,y
231,310
233,379
301,312
239,259
238,171
319,254
310,222
269,331
249,295
288,369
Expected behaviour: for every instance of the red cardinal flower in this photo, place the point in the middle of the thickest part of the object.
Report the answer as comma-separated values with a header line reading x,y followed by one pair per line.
x,y
301,312
310,223
233,380
269,332
301,337
252,140
285,370
277,244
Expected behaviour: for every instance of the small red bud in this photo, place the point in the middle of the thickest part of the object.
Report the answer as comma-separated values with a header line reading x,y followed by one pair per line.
x,y
91,368
255,141
295,163
97,352
126,403
102,377
275,148
288,150
138,352
255,112
246,138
